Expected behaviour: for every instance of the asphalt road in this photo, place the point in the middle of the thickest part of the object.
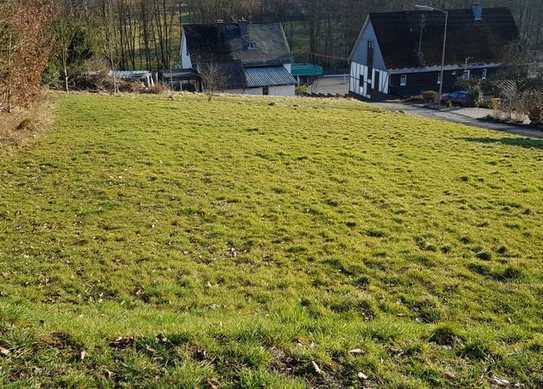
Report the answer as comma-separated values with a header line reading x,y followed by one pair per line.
x,y
467,116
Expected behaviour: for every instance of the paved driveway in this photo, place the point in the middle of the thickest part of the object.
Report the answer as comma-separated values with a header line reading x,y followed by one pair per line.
x,y
335,85
468,116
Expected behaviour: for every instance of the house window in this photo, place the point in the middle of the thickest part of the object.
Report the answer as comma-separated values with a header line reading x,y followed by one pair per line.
x,y
252,45
484,75
467,74
266,91
361,81
403,80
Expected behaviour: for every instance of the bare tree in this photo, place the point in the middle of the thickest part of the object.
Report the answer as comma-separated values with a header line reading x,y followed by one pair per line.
x,y
107,39
65,29
213,78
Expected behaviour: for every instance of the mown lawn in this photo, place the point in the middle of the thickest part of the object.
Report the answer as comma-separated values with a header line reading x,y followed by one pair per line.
x,y
146,241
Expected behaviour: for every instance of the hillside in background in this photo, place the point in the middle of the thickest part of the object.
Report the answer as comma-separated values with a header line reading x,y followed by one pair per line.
x,y
145,34
149,241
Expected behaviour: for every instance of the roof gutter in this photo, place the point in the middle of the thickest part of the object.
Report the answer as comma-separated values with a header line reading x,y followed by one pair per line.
x,y
437,68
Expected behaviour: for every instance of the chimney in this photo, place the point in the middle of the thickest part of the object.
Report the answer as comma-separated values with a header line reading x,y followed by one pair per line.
x,y
477,11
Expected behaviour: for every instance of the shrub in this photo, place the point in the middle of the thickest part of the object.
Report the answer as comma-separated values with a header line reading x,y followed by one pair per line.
x,y
536,114
158,89
302,90
51,77
429,96
532,105
485,102
136,87
496,104
92,76
415,99
25,54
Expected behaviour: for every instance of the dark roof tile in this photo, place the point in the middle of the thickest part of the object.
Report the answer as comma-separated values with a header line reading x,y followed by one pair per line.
x,y
479,42
223,43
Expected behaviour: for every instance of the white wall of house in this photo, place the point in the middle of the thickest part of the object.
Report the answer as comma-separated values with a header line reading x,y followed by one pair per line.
x,y
288,66
186,62
360,72
253,91
286,90
383,80
359,57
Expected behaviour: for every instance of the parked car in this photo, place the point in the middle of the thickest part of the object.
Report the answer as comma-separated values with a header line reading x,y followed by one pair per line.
x,y
461,98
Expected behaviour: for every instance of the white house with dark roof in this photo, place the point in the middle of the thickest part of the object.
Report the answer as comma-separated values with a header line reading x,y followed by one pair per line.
x,y
398,54
252,58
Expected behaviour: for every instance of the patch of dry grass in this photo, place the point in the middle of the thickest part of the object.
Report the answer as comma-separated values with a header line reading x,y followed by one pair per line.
x,y
23,125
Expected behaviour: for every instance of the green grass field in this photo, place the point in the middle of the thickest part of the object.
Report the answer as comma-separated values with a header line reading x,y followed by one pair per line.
x,y
146,241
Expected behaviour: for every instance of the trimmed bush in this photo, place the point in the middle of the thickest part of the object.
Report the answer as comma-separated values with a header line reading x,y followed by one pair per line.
x,y
429,96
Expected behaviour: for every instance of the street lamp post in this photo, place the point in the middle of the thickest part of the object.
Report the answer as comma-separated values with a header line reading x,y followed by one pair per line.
x,y
442,75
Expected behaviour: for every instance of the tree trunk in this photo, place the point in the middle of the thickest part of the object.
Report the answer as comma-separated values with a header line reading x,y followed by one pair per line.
x,y
65,71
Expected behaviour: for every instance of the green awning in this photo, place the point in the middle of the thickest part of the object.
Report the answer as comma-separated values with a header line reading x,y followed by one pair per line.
x,y
306,70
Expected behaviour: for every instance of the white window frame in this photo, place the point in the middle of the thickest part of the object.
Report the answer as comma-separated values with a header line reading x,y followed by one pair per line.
x,y
484,74
403,80
466,75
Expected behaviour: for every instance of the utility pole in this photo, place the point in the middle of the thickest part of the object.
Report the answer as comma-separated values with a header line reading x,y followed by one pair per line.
x,y
442,75
422,26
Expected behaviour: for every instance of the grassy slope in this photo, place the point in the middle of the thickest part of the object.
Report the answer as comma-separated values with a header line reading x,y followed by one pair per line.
x,y
238,241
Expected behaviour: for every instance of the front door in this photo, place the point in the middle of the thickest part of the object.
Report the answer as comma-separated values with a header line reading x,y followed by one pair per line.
x,y
376,83
370,57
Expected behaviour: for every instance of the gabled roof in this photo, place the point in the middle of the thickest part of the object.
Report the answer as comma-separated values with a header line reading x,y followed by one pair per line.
x,y
268,76
482,41
226,42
